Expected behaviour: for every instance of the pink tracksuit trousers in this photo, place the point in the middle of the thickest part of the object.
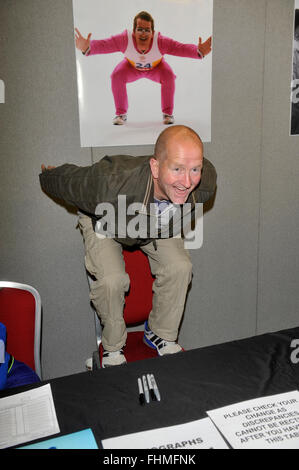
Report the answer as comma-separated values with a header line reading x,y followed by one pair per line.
x,y
125,73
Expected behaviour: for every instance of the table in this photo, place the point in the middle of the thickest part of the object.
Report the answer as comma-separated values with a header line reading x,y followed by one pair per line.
x,y
190,383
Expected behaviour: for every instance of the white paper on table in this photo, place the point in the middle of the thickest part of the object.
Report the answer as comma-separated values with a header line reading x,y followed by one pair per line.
x,y
263,423
200,434
27,416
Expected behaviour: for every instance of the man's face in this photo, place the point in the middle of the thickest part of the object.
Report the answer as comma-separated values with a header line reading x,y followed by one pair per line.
x,y
143,33
180,172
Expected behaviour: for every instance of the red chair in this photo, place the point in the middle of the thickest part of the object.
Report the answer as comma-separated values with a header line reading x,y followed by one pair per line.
x,y
20,312
138,304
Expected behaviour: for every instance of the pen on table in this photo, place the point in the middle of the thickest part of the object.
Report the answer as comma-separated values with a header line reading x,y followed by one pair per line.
x,y
156,390
150,386
145,387
141,394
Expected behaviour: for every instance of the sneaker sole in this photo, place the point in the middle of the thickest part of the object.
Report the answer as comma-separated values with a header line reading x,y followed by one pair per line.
x,y
114,365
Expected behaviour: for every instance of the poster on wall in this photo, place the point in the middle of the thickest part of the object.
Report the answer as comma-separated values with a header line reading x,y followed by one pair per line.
x,y
137,77
295,75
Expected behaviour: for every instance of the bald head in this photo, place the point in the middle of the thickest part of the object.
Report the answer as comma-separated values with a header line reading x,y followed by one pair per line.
x,y
175,135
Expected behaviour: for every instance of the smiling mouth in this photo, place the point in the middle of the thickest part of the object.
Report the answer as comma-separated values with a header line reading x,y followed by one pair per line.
x,y
181,193
181,190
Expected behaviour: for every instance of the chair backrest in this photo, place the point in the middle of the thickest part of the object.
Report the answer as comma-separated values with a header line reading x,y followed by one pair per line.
x,y
20,312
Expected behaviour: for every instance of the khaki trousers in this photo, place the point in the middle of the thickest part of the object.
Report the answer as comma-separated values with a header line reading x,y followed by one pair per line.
x,y
170,264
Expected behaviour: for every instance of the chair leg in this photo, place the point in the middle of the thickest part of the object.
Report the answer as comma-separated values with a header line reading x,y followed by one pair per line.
x,y
96,360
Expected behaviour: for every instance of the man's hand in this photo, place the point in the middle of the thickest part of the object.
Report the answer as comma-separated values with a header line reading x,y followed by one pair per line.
x,y
82,43
44,168
205,47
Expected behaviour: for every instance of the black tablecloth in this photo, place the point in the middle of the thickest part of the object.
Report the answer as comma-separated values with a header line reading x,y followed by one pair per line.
x,y
190,384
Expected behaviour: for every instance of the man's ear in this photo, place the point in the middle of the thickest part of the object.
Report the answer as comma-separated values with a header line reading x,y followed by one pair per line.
x,y
154,164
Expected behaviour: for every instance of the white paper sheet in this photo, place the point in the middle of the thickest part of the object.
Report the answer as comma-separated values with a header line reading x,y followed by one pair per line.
x,y
27,416
263,423
200,434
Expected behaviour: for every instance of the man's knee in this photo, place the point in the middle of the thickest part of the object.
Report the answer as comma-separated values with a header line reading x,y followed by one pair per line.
x,y
167,75
114,283
116,75
180,269
104,291
184,267
121,73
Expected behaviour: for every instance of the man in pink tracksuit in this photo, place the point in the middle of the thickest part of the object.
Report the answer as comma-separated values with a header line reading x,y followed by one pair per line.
x,y
144,51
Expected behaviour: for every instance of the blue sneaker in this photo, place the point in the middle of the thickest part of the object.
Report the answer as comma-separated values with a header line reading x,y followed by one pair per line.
x,y
162,346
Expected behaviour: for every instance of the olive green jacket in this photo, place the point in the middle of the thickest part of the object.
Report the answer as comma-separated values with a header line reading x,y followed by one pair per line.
x,y
120,181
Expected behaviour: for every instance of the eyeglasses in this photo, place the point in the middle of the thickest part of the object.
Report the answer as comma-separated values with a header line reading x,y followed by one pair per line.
x,y
145,30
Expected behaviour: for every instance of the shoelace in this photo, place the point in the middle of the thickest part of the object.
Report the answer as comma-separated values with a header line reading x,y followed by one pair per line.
x,y
113,353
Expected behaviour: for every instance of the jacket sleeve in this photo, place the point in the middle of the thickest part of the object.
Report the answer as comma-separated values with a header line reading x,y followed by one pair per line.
x,y
207,183
117,43
172,47
75,185
102,182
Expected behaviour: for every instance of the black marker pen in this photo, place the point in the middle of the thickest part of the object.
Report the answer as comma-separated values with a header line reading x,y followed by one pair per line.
x,y
141,394
151,388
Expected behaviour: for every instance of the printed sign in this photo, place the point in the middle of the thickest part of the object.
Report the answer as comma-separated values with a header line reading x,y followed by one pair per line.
x,y
263,423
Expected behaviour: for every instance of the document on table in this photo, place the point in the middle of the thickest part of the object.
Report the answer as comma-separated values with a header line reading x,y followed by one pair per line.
x,y
262,423
200,434
27,416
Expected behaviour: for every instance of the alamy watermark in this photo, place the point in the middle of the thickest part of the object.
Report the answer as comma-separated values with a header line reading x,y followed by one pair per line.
x,y
134,221
295,91
295,354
